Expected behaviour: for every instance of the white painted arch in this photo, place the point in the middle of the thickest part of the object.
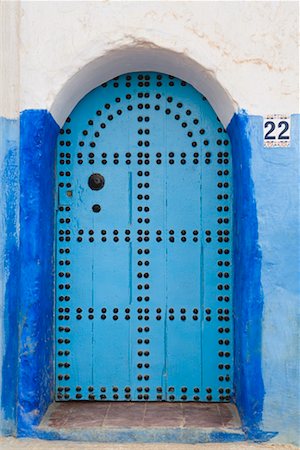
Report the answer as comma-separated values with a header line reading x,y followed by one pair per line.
x,y
142,58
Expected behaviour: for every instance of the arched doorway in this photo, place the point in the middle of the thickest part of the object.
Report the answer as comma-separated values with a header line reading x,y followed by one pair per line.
x,y
144,245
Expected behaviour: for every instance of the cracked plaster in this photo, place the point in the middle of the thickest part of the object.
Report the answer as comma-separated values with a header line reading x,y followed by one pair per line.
x,y
231,43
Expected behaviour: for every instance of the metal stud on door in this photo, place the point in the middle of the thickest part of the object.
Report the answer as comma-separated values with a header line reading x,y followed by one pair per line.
x,y
143,246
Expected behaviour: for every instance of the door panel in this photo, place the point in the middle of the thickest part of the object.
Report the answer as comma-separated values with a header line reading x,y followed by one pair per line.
x,y
143,246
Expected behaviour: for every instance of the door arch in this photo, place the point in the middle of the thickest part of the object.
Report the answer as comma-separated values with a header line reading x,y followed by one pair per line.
x,y
144,245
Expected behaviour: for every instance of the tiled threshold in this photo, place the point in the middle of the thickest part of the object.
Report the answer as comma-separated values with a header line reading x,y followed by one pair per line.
x,y
141,422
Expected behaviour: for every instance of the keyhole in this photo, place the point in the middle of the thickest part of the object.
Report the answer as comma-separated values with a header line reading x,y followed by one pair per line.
x,y
96,181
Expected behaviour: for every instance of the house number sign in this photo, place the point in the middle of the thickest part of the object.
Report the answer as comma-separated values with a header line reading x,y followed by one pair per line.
x,y
276,129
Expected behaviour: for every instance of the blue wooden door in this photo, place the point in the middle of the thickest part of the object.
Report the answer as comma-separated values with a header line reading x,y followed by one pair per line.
x,y
144,245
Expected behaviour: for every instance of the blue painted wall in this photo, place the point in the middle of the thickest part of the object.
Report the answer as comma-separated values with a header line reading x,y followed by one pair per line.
x,y
38,133
275,174
9,272
267,280
248,295
267,275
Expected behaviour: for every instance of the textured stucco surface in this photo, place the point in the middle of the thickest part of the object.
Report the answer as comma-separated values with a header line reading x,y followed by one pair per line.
x,y
9,59
276,179
238,43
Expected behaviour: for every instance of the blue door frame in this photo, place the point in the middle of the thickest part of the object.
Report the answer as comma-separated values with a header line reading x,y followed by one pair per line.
x,y
34,276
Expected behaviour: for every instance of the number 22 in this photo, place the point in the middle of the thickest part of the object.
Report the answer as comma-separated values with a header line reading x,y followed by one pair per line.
x,y
270,125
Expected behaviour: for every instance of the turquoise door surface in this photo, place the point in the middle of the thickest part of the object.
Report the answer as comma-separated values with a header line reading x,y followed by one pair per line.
x,y
144,246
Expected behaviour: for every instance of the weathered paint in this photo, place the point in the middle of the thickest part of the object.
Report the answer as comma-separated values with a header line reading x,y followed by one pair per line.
x,y
123,435
248,295
275,174
65,43
36,159
266,280
37,152
233,44
262,383
9,271
38,133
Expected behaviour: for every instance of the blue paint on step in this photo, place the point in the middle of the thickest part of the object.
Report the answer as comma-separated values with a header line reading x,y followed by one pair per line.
x,y
146,435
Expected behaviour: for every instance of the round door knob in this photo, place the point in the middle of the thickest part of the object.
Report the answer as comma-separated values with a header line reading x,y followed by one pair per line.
x,y
96,181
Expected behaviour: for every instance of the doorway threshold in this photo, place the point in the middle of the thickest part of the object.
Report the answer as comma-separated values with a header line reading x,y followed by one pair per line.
x,y
141,422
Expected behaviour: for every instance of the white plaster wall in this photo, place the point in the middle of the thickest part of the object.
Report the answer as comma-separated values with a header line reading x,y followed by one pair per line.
x,y
9,59
250,48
